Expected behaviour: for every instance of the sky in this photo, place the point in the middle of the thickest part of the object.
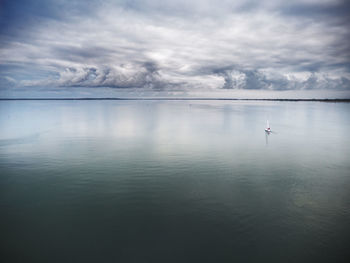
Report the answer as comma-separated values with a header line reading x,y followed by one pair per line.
x,y
197,48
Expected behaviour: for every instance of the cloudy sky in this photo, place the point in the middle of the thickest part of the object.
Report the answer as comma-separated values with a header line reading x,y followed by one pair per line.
x,y
178,48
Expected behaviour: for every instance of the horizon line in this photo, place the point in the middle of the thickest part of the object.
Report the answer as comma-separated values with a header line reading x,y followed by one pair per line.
x,y
162,98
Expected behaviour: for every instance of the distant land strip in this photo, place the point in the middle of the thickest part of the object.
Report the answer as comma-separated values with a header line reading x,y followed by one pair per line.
x,y
226,99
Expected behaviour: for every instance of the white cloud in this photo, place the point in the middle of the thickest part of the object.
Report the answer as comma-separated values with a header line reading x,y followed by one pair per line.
x,y
160,46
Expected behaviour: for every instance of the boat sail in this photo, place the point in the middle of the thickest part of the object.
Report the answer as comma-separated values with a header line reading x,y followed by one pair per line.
x,y
267,127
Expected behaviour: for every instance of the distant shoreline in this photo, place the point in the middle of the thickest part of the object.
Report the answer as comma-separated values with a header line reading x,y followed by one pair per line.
x,y
190,99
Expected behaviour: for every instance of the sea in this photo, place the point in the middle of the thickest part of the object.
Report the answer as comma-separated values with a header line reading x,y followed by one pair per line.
x,y
174,181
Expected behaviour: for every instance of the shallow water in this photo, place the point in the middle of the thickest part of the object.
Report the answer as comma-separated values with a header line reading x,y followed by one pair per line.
x,y
174,181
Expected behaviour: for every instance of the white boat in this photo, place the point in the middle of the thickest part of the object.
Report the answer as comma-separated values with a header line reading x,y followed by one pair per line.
x,y
267,127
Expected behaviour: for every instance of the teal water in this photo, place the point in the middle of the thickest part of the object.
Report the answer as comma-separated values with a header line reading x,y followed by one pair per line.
x,y
174,181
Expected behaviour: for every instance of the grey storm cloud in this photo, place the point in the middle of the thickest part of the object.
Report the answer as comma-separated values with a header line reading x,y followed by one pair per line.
x,y
254,79
174,45
123,76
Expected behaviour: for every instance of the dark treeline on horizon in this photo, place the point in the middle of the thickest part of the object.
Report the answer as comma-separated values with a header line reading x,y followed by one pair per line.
x,y
232,99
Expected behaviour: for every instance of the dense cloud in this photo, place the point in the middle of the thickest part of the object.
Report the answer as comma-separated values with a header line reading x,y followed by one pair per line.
x,y
253,79
175,45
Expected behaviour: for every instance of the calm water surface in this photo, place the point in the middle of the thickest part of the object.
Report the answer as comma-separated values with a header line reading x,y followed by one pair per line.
x,y
174,181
